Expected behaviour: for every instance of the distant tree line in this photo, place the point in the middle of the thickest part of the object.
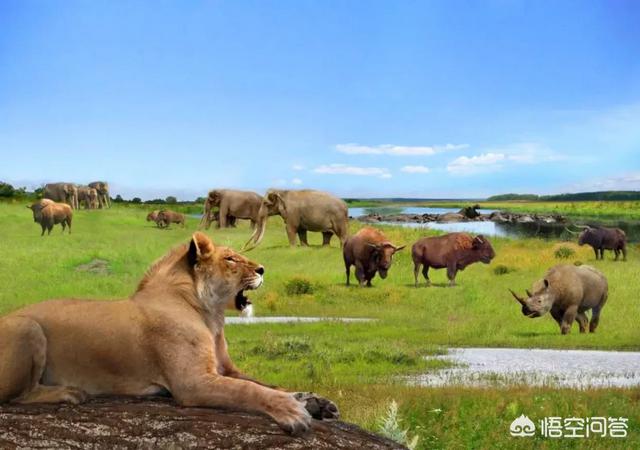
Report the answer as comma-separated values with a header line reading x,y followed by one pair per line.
x,y
576,197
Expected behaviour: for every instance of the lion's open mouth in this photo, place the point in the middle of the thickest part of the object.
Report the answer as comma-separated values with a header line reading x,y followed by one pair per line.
x,y
242,301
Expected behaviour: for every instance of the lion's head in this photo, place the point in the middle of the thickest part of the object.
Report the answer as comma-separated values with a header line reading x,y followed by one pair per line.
x,y
222,275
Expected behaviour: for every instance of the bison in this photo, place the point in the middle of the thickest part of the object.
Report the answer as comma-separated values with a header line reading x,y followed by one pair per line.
x,y
153,216
49,213
455,251
568,292
371,252
166,217
602,238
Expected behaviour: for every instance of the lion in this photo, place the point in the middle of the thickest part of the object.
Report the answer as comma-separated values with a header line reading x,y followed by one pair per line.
x,y
168,337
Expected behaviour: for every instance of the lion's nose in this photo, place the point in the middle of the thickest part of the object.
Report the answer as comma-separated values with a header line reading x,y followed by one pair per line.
x,y
260,270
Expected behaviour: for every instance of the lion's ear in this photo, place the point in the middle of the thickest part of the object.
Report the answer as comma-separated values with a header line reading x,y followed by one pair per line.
x,y
201,246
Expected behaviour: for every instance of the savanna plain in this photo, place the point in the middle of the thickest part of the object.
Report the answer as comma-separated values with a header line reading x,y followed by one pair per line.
x,y
362,366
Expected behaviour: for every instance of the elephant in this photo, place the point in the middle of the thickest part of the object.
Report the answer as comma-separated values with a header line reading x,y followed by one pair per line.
x,y
102,187
62,192
232,205
302,211
88,196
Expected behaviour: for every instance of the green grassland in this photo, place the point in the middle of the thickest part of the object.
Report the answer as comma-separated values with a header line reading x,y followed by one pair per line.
x,y
359,365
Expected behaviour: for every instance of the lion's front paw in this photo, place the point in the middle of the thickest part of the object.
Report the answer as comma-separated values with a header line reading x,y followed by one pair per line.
x,y
290,414
320,408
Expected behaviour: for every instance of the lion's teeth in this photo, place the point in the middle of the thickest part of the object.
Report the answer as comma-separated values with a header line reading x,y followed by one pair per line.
x,y
247,311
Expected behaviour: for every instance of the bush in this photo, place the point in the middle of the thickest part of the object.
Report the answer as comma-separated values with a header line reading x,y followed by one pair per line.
x,y
577,263
564,252
6,190
171,200
298,286
501,269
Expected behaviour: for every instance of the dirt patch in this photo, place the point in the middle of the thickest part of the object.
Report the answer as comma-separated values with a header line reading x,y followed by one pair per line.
x,y
97,266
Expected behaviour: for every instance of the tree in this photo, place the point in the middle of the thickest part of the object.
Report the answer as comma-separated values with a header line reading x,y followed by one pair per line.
x,y
118,199
6,190
171,200
136,200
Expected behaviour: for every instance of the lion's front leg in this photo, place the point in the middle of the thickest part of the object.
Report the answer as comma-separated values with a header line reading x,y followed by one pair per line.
x,y
225,392
320,408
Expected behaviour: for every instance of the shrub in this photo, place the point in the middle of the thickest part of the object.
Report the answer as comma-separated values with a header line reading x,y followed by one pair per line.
x,y
501,269
298,286
577,263
389,427
563,252
6,190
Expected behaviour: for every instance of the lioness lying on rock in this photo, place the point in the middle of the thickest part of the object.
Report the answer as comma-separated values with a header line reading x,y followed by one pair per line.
x,y
167,337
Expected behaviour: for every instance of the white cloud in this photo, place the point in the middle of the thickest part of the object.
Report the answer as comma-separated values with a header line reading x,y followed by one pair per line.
x,y
296,181
343,169
465,165
629,181
298,167
530,153
396,150
415,169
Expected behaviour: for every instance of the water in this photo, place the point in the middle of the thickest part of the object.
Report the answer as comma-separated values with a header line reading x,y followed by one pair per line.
x,y
498,367
387,210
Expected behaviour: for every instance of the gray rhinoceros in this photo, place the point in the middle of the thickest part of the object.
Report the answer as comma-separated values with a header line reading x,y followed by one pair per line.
x,y
568,292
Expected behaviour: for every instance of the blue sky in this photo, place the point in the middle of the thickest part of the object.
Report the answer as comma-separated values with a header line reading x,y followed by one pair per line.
x,y
422,99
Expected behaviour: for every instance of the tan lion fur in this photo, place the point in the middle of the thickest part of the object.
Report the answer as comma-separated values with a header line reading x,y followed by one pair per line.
x,y
168,336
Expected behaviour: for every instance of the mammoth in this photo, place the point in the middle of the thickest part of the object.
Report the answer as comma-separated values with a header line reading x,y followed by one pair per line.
x,y
102,188
232,205
62,192
602,238
49,213
370,252
88,196
567,292
302,211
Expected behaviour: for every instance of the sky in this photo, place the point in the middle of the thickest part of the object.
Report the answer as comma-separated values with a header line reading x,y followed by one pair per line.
x,y
429,99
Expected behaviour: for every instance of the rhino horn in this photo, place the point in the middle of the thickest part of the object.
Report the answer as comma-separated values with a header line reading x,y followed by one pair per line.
x,y
517,297
528,293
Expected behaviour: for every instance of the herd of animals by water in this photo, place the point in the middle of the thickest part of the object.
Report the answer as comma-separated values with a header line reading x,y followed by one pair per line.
x,y
566,292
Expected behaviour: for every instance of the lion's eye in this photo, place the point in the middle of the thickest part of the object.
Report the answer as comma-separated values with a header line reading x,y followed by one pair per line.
x,y
230,259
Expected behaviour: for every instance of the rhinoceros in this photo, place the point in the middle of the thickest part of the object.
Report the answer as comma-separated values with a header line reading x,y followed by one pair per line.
x,y
568,292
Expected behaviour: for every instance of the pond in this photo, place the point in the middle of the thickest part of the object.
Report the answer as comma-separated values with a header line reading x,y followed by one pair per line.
x,y
498,367
510,230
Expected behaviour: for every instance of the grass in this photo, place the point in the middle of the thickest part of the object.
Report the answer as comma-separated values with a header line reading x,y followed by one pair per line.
x,y
359,365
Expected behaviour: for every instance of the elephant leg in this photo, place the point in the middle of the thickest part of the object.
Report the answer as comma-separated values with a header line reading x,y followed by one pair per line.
x,y
291,234
583,321
416,271
222,218
302,234
326,237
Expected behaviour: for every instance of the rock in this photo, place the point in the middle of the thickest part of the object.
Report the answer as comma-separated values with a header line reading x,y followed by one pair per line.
x,y
451,217
150,423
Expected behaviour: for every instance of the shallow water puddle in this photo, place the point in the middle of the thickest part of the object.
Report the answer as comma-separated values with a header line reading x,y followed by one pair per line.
x,y
536,367
290,319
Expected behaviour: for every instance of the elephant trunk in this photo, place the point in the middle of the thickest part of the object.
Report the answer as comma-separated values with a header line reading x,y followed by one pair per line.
x,y
205,222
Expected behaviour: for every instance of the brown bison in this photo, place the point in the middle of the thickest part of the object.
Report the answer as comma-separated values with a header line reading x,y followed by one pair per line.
x,y
568,292
153,216
371,252
49,213
601,239
166,217
455,251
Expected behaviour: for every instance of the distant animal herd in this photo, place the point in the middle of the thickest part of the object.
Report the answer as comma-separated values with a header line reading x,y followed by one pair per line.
x,y
368,251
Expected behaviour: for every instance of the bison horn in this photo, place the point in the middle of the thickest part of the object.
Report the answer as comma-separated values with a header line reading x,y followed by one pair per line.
x,y
570,231
517,297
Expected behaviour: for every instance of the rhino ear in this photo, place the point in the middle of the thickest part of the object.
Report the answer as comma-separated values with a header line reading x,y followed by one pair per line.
x,y
546,283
